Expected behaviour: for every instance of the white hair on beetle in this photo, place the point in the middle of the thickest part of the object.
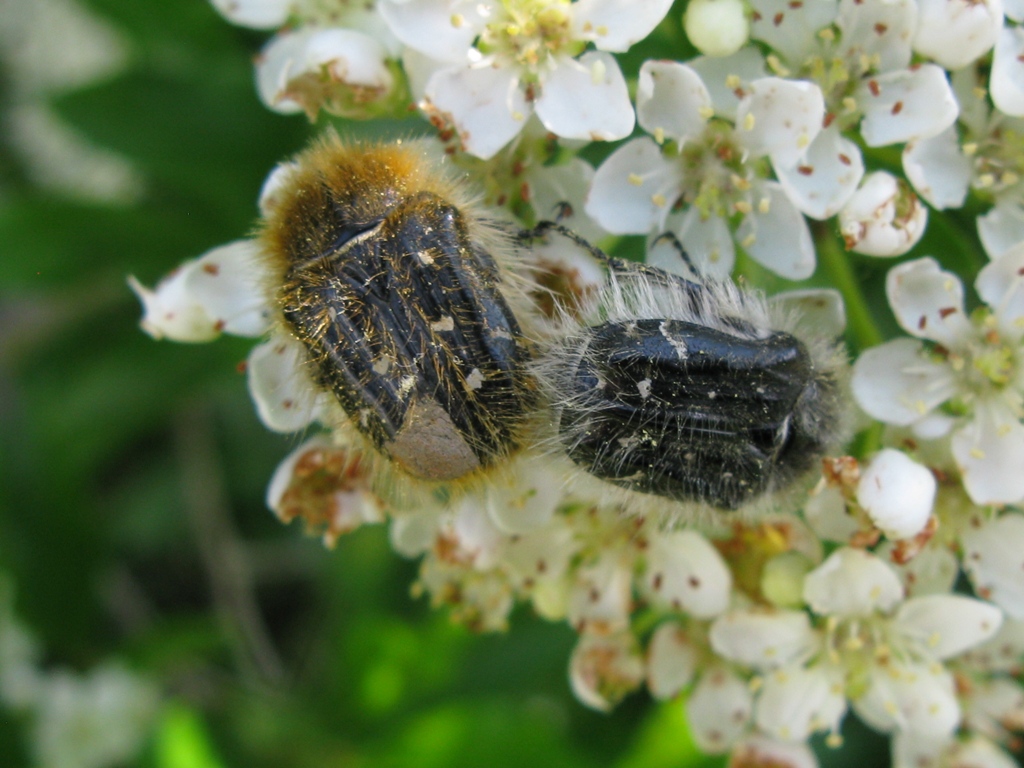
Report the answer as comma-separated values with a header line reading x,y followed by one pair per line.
x,y
632,293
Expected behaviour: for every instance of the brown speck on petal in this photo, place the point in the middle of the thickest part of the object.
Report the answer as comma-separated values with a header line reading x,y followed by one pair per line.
x,y
874,87
897,107
805,170
946,312
777,19
922,322
881,29
211,269
845,159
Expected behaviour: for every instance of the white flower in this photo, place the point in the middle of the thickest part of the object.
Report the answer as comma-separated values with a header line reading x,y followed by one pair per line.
x,y
525,58
897,493
987,157
327,486
994,559
603,669
883,217
859,54
342,71
707,166
892,649
95,720
219,292
968,365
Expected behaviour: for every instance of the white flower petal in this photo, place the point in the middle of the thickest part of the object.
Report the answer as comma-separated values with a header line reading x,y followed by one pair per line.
x,y
794,702
419,68
776,235
228,283
280,386
634,189
527,500
780,118
817,311
270,192
553,185
728,77
716,27
1014,9
850,583
171,312
956,32
880,31
603,670
827,514
600,598
671,101
758,750
762,639
671,661
947,625
978,752
686,573
823,180
718,710
883,217
897,384
911,750
542,555
994,559
586,99
932,571
938,168
485,104
928,302
258,14
479,540
1000,284
897,493
616,25
913,697
413,533
1006,83
708,242
906,104
989,450
1002,652
440,29
791,28
1003,227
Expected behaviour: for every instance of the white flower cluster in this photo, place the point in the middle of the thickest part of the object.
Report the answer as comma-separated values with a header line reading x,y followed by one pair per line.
x,y
776,627
93,720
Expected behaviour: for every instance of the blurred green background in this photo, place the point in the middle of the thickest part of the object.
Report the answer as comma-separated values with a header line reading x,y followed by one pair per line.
x,y
132,516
